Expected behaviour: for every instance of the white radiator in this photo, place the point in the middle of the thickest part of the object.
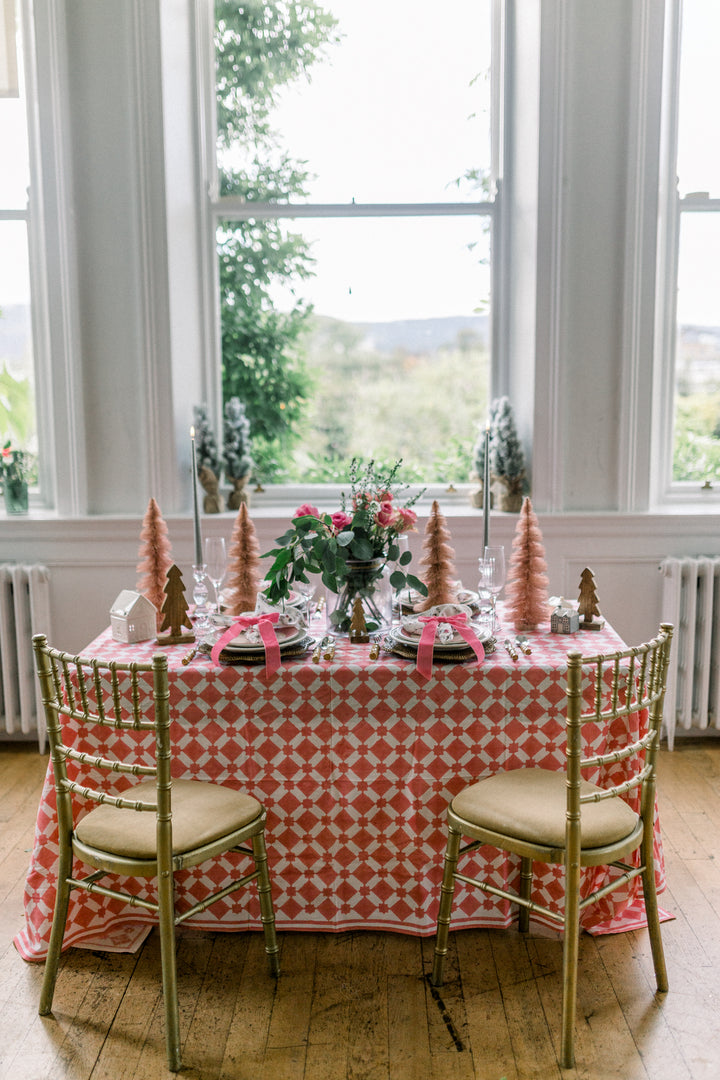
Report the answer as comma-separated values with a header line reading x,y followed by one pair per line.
x,y
24,611
691,601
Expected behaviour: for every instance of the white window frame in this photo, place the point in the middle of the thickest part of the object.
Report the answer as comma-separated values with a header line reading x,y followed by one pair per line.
x,y
214,208
671,207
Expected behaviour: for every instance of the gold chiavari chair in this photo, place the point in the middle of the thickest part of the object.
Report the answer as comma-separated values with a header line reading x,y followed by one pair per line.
x,y
559,817
155,827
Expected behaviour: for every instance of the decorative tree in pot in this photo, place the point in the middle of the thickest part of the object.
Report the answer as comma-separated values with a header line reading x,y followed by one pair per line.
x,y
208,461
236,452
507,461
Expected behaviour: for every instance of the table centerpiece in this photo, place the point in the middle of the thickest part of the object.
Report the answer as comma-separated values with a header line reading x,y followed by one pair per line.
x,y
355,550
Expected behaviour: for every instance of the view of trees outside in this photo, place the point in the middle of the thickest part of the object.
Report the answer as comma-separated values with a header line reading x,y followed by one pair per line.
x,y
348,336
17,384
696,449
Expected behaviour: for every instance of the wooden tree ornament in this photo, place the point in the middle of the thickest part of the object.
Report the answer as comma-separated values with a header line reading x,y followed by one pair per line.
x,y
243,575
526,589
358,627
155,557
437,562
588,602
175,611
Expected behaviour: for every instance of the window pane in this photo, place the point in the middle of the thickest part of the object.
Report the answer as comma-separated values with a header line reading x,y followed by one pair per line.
x,y
396,348
698,146
697,369
394,105
17,398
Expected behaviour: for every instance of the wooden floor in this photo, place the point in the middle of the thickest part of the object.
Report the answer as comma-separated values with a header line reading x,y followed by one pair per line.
x,y
359,1005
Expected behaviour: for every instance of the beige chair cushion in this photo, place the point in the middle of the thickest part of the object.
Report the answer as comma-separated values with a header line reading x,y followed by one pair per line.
x,y
529,804
201,813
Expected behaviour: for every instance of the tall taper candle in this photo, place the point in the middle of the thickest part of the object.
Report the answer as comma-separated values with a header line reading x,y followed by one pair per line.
x,y
486,491
198,537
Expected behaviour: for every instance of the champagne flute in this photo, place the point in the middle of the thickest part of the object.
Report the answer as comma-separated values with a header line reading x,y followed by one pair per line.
x,y
216,562
494,576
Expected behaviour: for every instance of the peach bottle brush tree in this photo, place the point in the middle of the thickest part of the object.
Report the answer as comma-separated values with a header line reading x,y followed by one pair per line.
x,y
155,557
438,562
243,574
526,594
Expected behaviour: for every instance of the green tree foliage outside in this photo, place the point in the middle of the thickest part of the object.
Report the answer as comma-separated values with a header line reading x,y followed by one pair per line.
x,y
316,395
260,48
696,454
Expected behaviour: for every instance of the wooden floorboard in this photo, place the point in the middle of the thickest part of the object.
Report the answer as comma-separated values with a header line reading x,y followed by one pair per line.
x,y
359,1006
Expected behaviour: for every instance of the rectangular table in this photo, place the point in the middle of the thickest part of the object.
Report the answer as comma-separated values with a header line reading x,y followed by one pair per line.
x,y
355,761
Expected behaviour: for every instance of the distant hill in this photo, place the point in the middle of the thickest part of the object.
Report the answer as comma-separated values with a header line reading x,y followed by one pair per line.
x,y
423,335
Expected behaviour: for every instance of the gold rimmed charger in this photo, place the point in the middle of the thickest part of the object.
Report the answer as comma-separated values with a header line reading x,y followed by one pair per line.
x,y
247,656
392,644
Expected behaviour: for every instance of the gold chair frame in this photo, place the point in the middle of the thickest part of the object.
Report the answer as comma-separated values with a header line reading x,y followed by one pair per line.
x,y
637,683
90,691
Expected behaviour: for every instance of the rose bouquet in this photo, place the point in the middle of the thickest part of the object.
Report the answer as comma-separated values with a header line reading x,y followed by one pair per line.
x,y
350,548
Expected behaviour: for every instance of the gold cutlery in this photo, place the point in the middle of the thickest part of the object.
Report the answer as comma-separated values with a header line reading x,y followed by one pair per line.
x,y
329,652
190,655
511,648
322,649
522,641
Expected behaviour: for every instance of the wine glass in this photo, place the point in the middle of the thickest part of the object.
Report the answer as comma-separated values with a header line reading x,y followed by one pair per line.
x,y
216,562
493,576
307,591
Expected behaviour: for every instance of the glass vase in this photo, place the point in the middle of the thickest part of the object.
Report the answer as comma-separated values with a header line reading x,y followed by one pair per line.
x,y
15,493
368,582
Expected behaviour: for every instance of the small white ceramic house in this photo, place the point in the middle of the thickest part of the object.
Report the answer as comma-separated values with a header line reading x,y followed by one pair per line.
x,y
133,617
564,620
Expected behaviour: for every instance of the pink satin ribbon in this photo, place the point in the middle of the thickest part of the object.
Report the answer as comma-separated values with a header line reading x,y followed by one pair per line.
x,y
268,636
427,639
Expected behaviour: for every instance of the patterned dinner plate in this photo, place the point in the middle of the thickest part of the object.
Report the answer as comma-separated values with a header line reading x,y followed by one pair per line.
x,y
458,642
451,654
244,656
287,636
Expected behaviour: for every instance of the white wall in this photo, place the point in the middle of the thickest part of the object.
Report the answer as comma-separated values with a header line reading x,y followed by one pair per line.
x,y
124,280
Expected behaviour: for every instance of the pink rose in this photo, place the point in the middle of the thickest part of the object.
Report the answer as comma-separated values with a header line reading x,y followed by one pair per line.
x,y
385,514
306,510
340,520
405,519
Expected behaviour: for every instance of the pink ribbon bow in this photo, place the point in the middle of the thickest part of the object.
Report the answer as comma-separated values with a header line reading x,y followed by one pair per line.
x,y
427,639
265,626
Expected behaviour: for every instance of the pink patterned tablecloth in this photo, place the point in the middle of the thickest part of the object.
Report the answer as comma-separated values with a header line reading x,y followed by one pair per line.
x,y
355,761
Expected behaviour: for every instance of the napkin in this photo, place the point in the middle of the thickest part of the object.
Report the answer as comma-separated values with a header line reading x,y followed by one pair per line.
x,y
257,628
443,621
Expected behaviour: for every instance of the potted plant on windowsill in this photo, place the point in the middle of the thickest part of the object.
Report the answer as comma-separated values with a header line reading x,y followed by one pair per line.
x,y
351,550
15,477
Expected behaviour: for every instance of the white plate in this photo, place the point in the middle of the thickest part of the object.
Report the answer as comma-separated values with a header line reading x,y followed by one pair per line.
x,y
286,635
457,642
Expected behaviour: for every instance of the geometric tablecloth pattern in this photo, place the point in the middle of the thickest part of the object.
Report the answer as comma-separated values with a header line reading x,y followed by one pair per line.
x,y
355,761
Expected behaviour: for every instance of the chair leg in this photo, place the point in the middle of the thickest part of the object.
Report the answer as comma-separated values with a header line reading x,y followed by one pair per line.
x,y
526,877
446,898
651,911
267,914
571,938
169,969
62,900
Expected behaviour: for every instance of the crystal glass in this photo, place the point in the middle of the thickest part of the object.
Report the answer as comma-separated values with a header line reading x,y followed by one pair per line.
x,y
201,616
492,577
216,563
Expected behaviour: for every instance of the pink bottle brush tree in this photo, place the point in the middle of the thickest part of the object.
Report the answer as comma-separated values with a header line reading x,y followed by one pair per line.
x,y
155,558
244,577
526,593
